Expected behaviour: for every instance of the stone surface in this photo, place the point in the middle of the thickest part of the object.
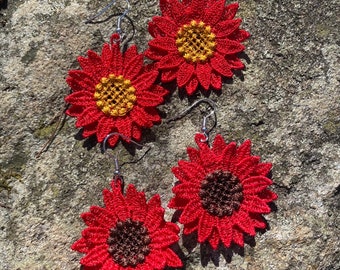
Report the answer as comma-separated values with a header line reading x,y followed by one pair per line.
x,y
286,102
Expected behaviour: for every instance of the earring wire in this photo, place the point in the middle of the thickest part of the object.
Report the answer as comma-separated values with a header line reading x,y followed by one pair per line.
x,y
205,130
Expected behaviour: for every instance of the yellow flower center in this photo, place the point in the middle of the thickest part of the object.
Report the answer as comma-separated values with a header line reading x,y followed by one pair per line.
x,y
195,42
115,96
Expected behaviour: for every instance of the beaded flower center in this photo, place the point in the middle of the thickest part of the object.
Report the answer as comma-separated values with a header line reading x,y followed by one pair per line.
x,y
221,193
195,41
114,95
129,243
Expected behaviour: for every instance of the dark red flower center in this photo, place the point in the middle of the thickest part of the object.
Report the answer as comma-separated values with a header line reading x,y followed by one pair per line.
x,y
129,243
195,42
114,95
221,193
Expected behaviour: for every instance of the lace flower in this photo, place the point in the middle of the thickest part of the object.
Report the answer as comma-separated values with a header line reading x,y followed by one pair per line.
x,y
196,42
114,92
222,192
128,233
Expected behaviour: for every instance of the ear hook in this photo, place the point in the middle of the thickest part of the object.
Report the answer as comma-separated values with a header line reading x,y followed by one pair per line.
x,y
117,174
119,20
204,129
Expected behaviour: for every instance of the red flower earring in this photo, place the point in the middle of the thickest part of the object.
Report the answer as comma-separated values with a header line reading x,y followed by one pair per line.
x,y
222,190
196,42
128,232
114,92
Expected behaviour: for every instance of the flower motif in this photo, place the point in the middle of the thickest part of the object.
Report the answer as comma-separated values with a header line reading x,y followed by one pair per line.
x,y
128,233
196,42
114,92
222,192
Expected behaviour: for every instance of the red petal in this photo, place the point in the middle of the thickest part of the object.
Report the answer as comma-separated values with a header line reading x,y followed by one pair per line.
x,y
170,61
190,227
106,56
104,217
243,151
192,86
242,220
225,231
230,11
225,28
203,72
165,7
162,239
140,117
95,235
255,205
78,85
80,98
214,13
133,67
245,167
148,99
80,246
89,219
155,216
169,75
117,60
124,127
89,130
152,114
255,184
97,256
145,81
166,25
234,62
136,132
194,155
119,204
263,169
194,172
156,260
228,156
177,12
172,259
89,116
191,212
185,73
166,44
214,239
226,46
258,220
109,265
205,226
75,111
137,203
154,54
105,126
238,238
267,196
239,35
220,65
129,54
98,67
218,145
186,191
216,81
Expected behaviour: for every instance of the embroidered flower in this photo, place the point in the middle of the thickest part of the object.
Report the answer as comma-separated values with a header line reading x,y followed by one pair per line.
x,y
196,42
222,192
128,233
114,92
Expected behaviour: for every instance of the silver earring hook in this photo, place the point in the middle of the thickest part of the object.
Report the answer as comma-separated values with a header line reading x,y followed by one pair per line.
x,y
117,173
205,130
119,19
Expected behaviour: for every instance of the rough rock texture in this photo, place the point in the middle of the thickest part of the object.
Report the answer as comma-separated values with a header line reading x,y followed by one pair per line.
x,y
286,102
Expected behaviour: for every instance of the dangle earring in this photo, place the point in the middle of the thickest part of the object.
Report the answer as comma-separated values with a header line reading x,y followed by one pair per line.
x,y
196,43
128,232
114,91
222,190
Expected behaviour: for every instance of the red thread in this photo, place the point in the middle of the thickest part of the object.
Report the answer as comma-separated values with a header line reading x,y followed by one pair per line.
x,y
222,192
114,92
196,42
128,232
